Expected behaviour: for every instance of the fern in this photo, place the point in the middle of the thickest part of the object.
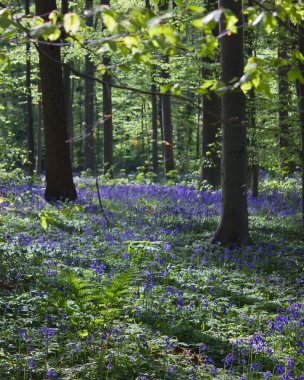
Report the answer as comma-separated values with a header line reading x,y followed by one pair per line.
x,y
105,299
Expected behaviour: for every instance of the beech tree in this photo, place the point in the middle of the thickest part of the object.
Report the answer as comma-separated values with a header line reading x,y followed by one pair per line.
x,y
68,89
166,108
107,113
233,227
59,177
89,102
287,164
300,93
211,168
29,104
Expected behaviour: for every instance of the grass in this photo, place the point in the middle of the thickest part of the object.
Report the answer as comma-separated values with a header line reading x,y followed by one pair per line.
x,y
149,297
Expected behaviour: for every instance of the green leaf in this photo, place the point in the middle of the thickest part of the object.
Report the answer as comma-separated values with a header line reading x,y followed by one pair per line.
x,y
166,87
45,31
109,20
270,22
194,8
3,58
43,222
246,86
231,21
71,22
55,35
295,74
54,16
5,18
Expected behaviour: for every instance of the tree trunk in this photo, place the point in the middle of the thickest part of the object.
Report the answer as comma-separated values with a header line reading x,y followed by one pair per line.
x,y
211,168
29,105
107,121
166,108
167,123
68,90
64,6
107,114
39,139
59,177
154,129
287,164
89,104
233,227
251,117
300,91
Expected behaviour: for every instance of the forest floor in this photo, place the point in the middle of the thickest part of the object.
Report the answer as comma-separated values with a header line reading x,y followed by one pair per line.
x,y
148,297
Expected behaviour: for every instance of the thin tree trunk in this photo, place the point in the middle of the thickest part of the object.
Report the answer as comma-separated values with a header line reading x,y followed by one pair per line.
x,y
300,91
166,108
59,177
251,117
107,121
39,140
64,6
198,132
233,227
287,165
154,114
211,168
68,90
89,104
154,129
29,104
107,114
167,125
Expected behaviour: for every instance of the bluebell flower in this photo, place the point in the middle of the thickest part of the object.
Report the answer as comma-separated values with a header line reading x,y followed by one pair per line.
x,y
257,342
214,371
51,373
290,361
76,348
280,369
170,370
254,366
31,363
109,365
267,375
202,347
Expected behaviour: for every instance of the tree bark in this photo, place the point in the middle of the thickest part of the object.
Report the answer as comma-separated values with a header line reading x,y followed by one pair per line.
x,y
89,161
29,104
59,177
68,89
167,122
107,114
211,168
251,117
154,129
166,108
287,164
300,92
39,136
233,227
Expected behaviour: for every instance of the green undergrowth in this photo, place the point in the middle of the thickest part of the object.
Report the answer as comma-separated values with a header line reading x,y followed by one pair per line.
x,y
149,297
